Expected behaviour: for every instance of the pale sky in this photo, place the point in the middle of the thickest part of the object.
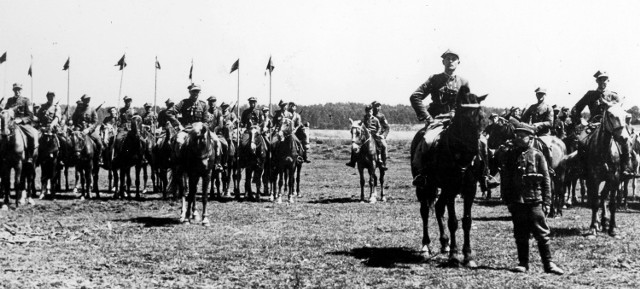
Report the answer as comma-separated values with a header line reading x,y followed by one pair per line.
x,y
323,51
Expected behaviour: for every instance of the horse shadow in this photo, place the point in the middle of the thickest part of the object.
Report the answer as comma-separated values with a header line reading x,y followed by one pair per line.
x,y
152,221
565,232
490,202
489,219
336,201
383,257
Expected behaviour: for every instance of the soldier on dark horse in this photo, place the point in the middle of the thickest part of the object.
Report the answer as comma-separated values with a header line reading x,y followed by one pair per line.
x,y
86,145
253,148
49,116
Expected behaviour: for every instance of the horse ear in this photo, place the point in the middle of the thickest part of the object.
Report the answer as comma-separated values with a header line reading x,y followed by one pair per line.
x,y
482,98
351,120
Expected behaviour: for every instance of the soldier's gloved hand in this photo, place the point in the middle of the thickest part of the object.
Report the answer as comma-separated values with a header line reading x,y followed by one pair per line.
x,y
18,121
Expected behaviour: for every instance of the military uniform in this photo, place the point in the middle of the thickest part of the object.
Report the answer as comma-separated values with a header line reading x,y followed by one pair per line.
x,y
149,118
381,139
109,119
443,89
279,116
22,110
189,111
124,116
86,118
49,114
373,126
540,115
252,117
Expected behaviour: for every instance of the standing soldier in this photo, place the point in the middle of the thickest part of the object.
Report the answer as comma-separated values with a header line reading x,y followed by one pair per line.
x,y
381,141
49,114
443,88
23,117
371,123
149,117
85,118
598,101
126,113
540,114
299,131
526,189
165,117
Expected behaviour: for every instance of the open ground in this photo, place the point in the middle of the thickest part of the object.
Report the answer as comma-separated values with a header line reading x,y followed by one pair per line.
x,y
326,239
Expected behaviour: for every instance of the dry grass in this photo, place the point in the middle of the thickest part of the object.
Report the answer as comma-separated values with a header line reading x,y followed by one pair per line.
x,y
326,239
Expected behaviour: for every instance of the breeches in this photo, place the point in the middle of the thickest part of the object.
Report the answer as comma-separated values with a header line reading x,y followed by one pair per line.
x,y
529,219
30,134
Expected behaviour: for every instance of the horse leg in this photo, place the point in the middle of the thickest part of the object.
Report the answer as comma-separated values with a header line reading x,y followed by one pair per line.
x,y
469,194
19,185
278,195
612,210
604,203
128,175
257,179
66,177
373,182
440,207
95,176
145,178
247,184
206,179
453,226
425,204
89,181
383,198
298,169
138,168
361,173
594,203
291,183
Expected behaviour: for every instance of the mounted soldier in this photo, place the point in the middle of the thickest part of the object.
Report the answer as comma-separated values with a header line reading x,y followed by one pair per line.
x,y
370,123
149,118
381,141
539,115
23,117
598,101
228,115
252,116
299,131
214,113
85,119
280,115
165,116
125,115
49,114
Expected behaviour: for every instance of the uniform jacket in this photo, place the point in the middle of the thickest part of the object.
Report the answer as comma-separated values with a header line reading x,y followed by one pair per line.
x,y
167,115
525,176
48,113
229,116
592,100
252,116
296,119
149,118
279,116
189,111
84,117
215,116
109,120
540,115
443,90
125,116
22,108
373,125
384,124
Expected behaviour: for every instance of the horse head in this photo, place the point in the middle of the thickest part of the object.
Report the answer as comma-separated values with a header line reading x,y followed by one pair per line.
x,y
613,121
359,135
253,132
48,140
469,114
286,128
201,143
136,124
6,119
227,129
502,131
107,133
77,143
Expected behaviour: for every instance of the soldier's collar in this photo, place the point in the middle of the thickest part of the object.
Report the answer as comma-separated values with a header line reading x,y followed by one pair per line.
x,y
453,75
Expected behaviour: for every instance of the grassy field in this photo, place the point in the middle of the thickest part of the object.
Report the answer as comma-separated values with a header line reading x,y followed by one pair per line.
x,y
327,239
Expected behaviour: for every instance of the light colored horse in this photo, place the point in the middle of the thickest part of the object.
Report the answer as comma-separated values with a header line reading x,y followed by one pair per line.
x,y
364,147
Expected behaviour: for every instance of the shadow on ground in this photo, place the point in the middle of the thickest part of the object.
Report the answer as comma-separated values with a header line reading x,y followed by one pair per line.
x,y
152,221
565,232
383,257
490,219
335,201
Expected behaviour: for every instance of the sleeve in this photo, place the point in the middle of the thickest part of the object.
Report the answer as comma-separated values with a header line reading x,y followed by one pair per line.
x,y
28,113
547,120
579,107
243,119
172,114
417,98
545,183
75,116
57,115
385,125
205,112
526,115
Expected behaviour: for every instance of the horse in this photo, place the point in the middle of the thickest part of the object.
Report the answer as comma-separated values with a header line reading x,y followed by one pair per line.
x,y
445,156
574,171
197,158
364,147
230,170
108,135
161,161
130,149
219,177
557,158
602,162
148,139
48,152
253,152
285,158
13,143
84,153
635,158
298,132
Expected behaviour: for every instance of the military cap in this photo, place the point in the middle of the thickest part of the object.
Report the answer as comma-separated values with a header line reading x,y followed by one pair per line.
x,y
601,74
224,104
564,108
212,98
252,99
449,51
168,101
493,114
627,116
264,108
375,104
367,107
147,105
85,98
127,98
541,90
282,103
17,86
292,104
36,105
79,102
525,129
194,87
51,93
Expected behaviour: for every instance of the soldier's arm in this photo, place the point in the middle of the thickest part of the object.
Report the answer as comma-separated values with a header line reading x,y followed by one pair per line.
x,y
57,115
579,107
545,183
417,98
385,125
205,114
28,117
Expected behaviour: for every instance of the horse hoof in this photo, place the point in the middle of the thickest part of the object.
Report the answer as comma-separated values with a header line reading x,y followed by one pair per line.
x,y
81,198
144,191
42,196
271,199
454,261
279,200
4,207
31,202
425,252
384,199
372,200
184,220
75,190
205,222
470,264
291,201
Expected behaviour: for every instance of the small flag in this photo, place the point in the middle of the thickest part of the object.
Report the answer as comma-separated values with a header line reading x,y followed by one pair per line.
x,y
3,58
235,66
30,73
66,64
121,63
191,71
270,66
157,63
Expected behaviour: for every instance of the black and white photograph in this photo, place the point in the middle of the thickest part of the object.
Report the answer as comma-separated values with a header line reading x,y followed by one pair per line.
x,y
319,144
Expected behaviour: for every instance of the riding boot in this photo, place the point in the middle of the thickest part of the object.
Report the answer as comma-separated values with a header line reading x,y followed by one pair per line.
x,y
352,162
383,159
523,256
545,256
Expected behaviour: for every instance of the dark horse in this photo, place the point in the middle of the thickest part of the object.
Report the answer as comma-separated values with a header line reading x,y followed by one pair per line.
x,y
603,165
285,158
504,131
49,149
197,157
253,156
84,153
12,151
364,146
161,160
129,152
108,135
446,157
228,160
